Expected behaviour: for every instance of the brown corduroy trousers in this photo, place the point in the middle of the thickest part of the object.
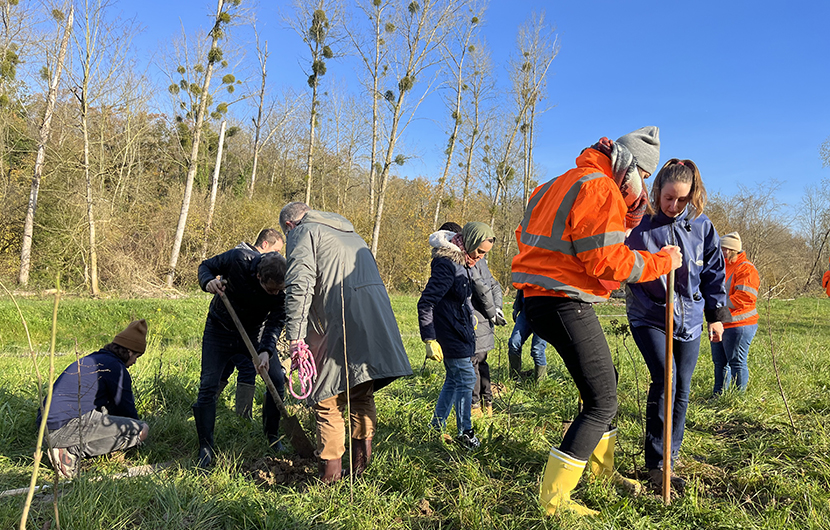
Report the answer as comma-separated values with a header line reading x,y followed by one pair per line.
x,y
331,428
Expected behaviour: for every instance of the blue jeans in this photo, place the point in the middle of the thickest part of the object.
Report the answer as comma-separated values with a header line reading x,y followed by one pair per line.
x,y
574,330
457,391
652,344
521,331
730,357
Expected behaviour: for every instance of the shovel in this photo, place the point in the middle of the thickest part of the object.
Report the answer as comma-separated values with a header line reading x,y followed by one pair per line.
x,y
667,399
291,425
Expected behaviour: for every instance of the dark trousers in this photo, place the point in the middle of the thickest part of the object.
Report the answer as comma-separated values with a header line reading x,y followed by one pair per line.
x,y
652,344
247,371
482,390
218,348
575,332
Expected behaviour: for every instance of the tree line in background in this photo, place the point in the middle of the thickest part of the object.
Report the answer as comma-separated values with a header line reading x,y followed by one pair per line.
x,y
124,186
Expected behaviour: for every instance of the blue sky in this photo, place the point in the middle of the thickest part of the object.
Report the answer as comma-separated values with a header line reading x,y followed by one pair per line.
x,y
739,87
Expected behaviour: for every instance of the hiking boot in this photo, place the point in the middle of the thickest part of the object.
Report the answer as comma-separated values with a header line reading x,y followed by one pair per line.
x,y
655,479
468,439
475,410
361,455
330,471
64,462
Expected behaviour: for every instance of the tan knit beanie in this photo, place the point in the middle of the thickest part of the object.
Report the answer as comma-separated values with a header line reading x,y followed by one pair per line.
x,y
732,241
134,337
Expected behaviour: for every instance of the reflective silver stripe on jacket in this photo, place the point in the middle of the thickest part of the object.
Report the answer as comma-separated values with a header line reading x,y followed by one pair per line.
x,y
554,241
745,316
550,284
747,289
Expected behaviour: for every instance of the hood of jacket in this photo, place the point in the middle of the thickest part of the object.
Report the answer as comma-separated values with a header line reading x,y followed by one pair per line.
x,y
336,221
442,247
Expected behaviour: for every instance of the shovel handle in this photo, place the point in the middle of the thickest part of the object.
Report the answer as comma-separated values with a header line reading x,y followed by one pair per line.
x,y
667,398
254,357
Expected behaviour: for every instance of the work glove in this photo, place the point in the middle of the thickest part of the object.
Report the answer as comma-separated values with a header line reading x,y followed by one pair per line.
x,y
499,320
434,352
475,322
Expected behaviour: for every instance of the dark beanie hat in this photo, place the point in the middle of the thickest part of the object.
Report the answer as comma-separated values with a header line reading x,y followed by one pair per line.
x,y
644,144
134,337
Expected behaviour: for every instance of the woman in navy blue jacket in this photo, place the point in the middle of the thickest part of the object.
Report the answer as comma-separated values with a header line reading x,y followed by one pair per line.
x,y
678,197
447,325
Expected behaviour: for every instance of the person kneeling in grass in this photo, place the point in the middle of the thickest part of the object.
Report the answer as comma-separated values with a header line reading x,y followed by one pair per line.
x,y
93,409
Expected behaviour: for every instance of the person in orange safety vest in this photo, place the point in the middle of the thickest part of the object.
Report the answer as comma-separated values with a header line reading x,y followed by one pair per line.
x,y
742,283
825,282
571,255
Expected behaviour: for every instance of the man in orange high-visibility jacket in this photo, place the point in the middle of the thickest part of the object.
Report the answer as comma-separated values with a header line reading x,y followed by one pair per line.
x,y
571,254
742,283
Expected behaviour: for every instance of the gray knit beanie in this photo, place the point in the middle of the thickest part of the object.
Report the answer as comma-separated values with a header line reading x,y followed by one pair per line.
x,y
732,241
644,144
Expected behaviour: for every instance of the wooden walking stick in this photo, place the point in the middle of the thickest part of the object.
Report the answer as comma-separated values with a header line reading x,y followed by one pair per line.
x,y
299,439
667,399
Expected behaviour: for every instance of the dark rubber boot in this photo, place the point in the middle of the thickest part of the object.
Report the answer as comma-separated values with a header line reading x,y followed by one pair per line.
x,y
515,367
330,471
205,418
541,373
245,400
361,455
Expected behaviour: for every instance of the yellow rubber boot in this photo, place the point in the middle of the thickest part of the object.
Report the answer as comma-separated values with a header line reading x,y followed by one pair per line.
x,y
602,464
561,476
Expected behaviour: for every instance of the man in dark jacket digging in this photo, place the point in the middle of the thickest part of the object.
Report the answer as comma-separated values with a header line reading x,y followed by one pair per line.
x,y
253,283
269,240
336,302
93,409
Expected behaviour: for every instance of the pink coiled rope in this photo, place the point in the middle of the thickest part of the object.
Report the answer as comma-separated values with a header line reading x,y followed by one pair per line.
x,y
302,362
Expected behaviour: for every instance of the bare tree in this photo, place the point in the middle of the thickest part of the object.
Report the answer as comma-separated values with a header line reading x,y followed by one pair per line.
x,y
214,185
481,84
455,51
43,138
203,97
373,53
323,17
261,120
101,49
537,48
814,221
422,29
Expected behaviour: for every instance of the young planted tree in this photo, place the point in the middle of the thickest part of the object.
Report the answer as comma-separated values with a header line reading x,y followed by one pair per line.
x,y
422,29
54,65
316,22
200,97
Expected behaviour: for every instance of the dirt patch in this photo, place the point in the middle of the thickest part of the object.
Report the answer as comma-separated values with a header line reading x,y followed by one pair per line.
x,y
271,470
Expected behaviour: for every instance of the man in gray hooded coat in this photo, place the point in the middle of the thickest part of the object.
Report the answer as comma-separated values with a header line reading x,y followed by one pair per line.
x,y
333,285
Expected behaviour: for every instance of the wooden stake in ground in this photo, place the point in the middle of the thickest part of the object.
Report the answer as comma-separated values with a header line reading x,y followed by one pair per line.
x,y
667,399
291,425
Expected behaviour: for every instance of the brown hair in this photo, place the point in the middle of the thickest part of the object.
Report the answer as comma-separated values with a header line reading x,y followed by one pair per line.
x,y
270,235
683,171
120,351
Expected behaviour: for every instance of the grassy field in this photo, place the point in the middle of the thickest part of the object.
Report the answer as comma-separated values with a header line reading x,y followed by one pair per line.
x,y
751,461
